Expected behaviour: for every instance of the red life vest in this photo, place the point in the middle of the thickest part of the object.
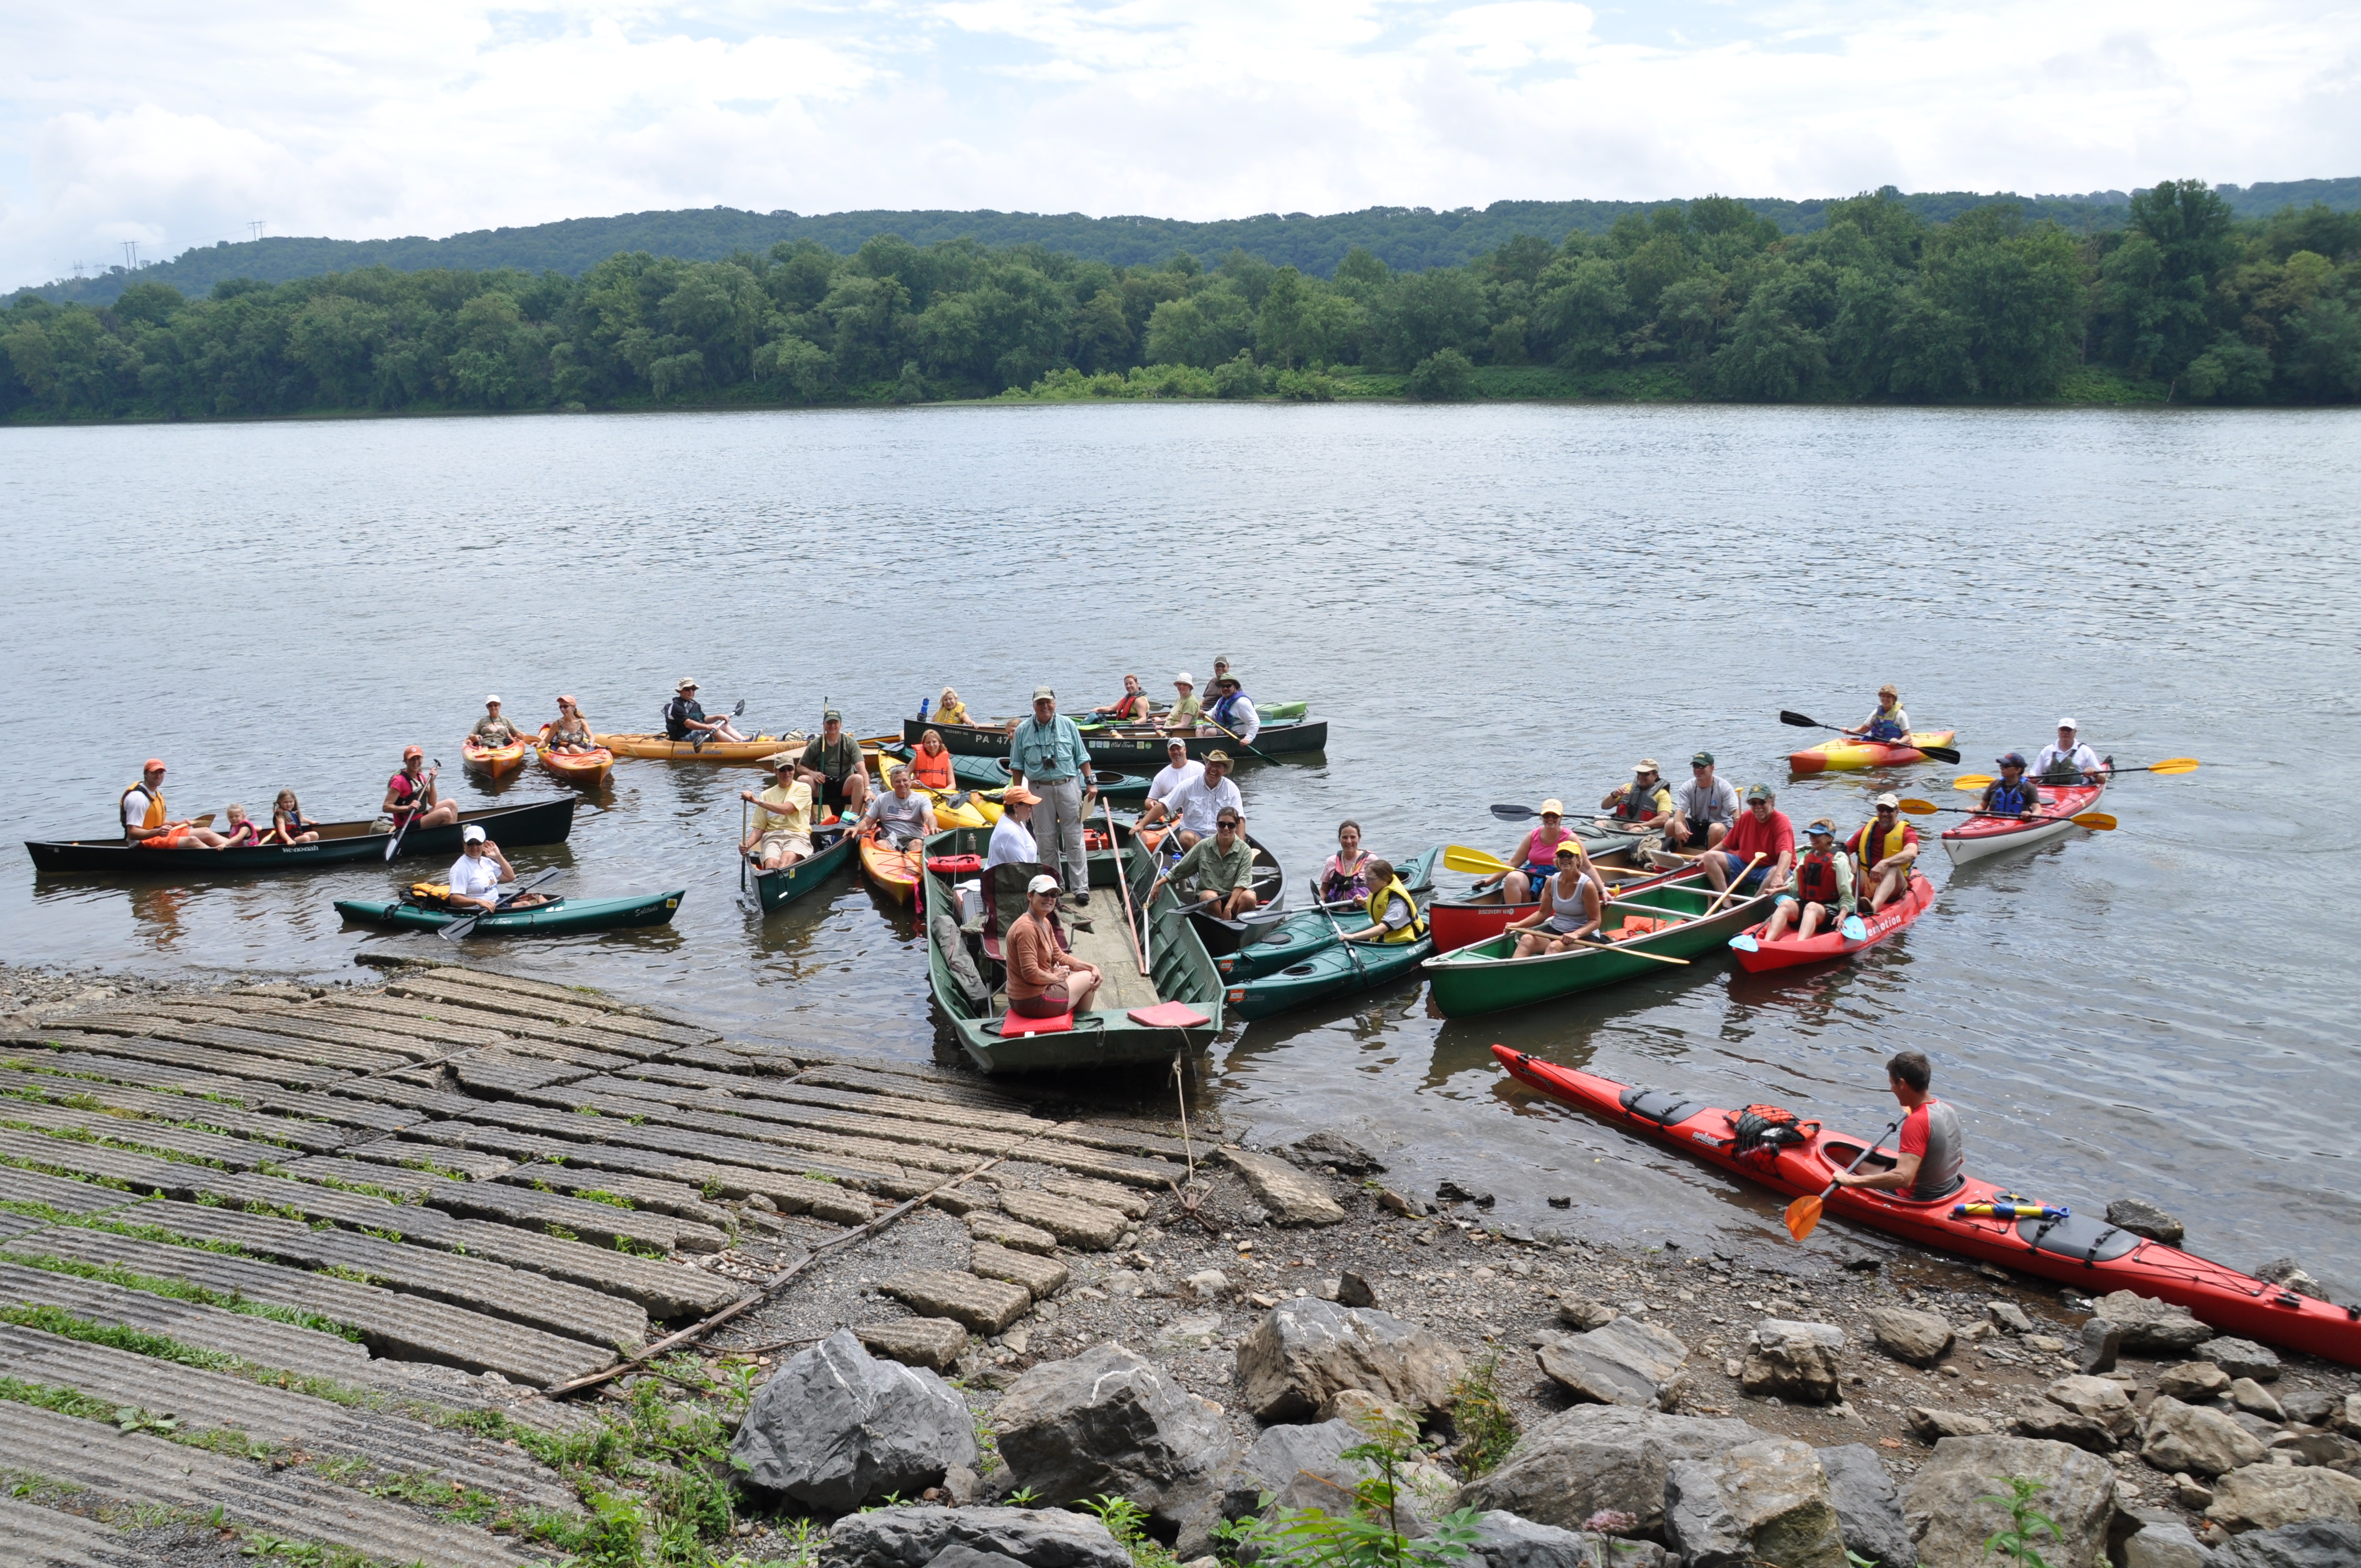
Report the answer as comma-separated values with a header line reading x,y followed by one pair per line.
x,y
1815,877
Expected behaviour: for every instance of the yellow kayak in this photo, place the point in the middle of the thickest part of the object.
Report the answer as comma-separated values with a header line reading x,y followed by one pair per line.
x,y
1849,756
973,812
665,750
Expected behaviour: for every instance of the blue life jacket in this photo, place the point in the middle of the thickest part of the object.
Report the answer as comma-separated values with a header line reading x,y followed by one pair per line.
x,y
1884,728
1228,706
2020,798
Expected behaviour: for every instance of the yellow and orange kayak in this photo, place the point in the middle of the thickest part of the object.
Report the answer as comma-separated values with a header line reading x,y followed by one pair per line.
x,y
497,761
588,770
663,749
896,870
1850,756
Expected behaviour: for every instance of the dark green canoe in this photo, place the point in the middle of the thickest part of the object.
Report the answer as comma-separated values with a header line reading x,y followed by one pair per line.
x,y
1339,969
1300,935
1484,978
831,848
991,773
553,918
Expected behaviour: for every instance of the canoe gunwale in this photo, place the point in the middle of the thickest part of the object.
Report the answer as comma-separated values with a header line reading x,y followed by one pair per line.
x,y
805,874
526,823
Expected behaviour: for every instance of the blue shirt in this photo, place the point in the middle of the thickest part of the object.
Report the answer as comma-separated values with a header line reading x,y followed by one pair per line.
x,y
1047,753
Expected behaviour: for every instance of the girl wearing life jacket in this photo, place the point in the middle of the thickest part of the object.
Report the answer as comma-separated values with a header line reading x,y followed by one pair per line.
x,y
1129,709
1889,723
1882,850
930,764
1535,856
288,823
1394,918
1572,906
2012,793
1822,895
1346,878
951,710
411,794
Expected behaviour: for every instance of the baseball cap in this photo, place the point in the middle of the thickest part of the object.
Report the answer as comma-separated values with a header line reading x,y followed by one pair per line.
x,y
156,765
1571,847
1045,882
2068,723
2013,760
1553,808
406,753
1017,794
831,717
1184,679
471,834
568,699
1823,827
1702,759
1044,693
1762,791
491,701
1176,744
1889,800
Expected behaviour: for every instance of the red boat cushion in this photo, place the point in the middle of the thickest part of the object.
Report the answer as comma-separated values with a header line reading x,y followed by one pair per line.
x,y
1168,1015
955,865
1012,1025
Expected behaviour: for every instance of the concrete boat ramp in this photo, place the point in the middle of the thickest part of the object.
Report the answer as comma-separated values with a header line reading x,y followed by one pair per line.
x,y
268,1256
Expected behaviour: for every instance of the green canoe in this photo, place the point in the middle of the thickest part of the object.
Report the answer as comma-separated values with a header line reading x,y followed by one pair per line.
x,y
1484,978
831,849
991,773
1339,969
1300,935
1105,1036
553,918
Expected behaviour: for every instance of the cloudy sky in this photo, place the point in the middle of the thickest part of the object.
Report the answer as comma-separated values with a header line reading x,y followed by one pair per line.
x,y
173,124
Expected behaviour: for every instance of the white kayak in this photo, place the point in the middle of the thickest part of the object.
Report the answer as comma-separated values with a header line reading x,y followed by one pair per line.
x,y
1981,837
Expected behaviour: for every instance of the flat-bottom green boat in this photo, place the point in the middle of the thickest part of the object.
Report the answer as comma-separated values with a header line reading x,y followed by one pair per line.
x,y
1139,1018
1339,969
991,773
1299,935
1485,978
831,848
556,918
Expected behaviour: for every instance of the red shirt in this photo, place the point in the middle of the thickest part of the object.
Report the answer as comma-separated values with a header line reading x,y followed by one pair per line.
x,y
1771,839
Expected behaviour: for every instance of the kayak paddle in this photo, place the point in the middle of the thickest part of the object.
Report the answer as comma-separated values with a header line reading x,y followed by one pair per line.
x,y
1803,1214
2170,765
1526,814
458,928
1475,863
2101,821
393,845
697,745
1940,753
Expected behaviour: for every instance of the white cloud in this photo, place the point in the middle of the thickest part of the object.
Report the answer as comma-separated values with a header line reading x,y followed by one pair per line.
x,y
174,125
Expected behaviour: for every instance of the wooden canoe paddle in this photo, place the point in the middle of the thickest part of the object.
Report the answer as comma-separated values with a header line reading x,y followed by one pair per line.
x,y
1940,753
1114,846
1744,872
2170,765
1803,1214
2101,821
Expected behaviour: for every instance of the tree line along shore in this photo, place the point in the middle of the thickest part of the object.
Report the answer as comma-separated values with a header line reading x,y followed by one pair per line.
x,y
2186,304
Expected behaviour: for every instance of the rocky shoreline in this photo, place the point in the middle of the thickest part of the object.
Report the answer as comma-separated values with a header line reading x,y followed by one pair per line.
x,y
1044,1334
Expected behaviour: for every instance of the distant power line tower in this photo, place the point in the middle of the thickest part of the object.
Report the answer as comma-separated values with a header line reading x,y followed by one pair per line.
x,y
78,266
131,254
255,228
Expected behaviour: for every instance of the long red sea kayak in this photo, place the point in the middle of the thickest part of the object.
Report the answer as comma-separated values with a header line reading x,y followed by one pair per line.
x,y
1791,950
2088,1254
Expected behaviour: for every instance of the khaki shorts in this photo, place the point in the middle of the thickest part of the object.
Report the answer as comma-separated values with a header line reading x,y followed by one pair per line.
x,y
780,839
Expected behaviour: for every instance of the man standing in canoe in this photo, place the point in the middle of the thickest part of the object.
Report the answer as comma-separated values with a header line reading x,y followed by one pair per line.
x,y
1224,866
1233,711
1889,724
1704,809
1197,806
2068,762
148,825
1883,850
492,730
1761,836
1046,754
832,765
1823,895
1933,1152
1186,708
1044,978
2012,793
685,717
411,795
1644,804
1129,709
782,828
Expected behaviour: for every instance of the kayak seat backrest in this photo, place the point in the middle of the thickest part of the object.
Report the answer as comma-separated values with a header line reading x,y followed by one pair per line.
x,y
1662,1106
1003,900
2078,1237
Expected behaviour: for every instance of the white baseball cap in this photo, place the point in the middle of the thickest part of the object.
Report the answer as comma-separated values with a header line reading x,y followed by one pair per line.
x,y
490,700
471,834
2068,723
1045,882
1184,679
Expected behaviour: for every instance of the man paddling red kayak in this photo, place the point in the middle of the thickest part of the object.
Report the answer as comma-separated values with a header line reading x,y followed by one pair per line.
x,y
1933,1152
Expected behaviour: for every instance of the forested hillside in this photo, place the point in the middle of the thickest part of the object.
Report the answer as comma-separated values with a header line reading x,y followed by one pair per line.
x,y
1407,239
1706,300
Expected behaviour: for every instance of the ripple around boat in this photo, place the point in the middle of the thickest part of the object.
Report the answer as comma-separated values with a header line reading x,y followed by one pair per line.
x,y
340,843
1138,749
1180,969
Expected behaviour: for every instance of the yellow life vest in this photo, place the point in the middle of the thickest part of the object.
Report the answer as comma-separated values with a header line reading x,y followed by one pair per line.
x,y
1377,909
952,713
156,815
430,893
1895,843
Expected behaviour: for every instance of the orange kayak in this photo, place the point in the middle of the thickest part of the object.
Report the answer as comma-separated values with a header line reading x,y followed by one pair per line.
x,y
497,761
585,769
896,870
663,750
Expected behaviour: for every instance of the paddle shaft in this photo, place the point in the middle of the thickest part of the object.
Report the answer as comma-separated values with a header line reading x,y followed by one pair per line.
x,y
1233,735
2099,819
1726,891
1122,883
393,845
458,928
697,747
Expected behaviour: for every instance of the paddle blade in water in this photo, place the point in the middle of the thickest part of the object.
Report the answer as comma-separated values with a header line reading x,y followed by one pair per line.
x,y
1798,720
1941,754
1920,807
2101,821
1514,813
1475,863
1974,782
1803,1215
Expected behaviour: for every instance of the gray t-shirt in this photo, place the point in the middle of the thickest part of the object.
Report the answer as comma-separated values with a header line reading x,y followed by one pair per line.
x,y
900,819
1701,805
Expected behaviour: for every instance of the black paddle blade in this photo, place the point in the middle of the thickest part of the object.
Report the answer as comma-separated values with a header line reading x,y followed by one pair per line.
x,y
1788,716
1514,813
1941,754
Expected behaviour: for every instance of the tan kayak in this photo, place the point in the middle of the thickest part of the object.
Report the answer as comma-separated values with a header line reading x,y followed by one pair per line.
x,y
663,749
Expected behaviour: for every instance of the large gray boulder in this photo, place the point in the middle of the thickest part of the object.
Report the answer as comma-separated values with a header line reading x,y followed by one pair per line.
x,y
2165,1542
2318,1543
1920,1338
1107,1421
1803,1362
2242,1358
1597,1457
1304,1352
2145,1219
1761,1504
2093,1413
1949,1521
1867,1506
2201,1442
1625,1362
2151,1327
1297,1467
913,1536
835,1427
2265,1496
1505,1540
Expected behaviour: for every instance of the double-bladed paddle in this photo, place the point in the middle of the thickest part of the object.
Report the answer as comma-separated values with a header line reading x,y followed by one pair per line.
x,y
393,845
1940,753
2170,765
2101,821
1803,1214
1506,812
458,928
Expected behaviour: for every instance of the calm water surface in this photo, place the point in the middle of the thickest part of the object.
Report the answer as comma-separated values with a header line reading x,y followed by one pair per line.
x,y
1496,603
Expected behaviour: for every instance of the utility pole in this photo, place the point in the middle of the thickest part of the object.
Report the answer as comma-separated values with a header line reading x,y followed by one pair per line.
x,y
131,255
256,227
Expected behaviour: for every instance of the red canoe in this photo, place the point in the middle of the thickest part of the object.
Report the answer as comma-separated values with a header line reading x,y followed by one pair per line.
x,y
2088,1254
1791,950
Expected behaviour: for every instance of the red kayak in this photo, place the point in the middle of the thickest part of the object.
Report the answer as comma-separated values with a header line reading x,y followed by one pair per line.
x,y
2088,1254
1755,955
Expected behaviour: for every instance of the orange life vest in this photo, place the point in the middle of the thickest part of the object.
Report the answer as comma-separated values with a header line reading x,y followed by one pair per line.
x,y
932,773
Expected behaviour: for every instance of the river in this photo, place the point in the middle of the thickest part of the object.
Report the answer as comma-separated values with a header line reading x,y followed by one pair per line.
x,y
1493,603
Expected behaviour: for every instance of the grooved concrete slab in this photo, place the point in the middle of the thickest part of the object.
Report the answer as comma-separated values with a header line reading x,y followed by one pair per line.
x,y
409,1327
427,1020
915,1341
234,1119
599,1221
502,1074
471,1282
875,1176
990,1226
49,1537
265,1342
146,1172
750,1125
12,1225
126,1070
307,1024
238,1154
1041,1276
793,1194
439,986
1072,1222
437,1158
343,1110
253,1043
675,1197
197,1058
1128,1201
571,1049
353,1173
873,1080
19,1186
137,1468
406,1090
211,1400
985,1306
